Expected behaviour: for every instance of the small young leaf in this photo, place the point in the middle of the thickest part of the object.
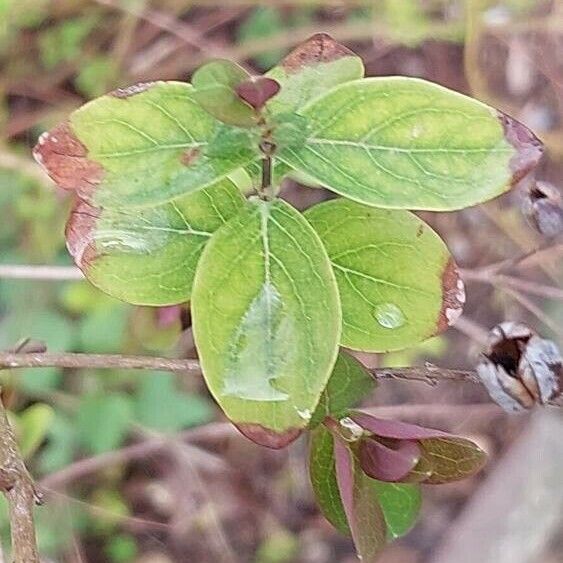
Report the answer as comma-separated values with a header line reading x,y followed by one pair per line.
x,y
388,462
348,384
215,89
266,320
364,514
315,66
452,459
256,91
146,144
399,142
400,504
323,479
443,457
148,256
397,281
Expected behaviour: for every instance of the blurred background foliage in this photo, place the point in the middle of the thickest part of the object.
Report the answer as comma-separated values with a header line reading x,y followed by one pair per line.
x,y
57,54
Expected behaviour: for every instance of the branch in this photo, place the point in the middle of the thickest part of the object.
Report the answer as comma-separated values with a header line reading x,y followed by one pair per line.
x,y
29,272
19,490
95,361
428,374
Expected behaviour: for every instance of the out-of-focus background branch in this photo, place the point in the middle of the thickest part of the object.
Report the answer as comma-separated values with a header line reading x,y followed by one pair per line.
x,y
130,480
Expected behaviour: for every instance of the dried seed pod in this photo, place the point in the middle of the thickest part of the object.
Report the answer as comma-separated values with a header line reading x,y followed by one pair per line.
x,y
520,369
543,207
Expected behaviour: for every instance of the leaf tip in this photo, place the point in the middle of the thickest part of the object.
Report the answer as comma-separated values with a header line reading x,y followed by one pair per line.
x,y
453,297
257,91
529,149
64,157
319,48
267,437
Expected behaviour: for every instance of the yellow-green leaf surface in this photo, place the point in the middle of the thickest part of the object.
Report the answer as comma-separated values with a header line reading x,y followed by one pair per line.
x,y
148,255
400,503
349,383
397,283
399,142
142,145
322,473
266,320
315,66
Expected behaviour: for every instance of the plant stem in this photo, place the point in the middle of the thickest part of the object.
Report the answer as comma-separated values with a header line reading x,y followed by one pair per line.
x,y
266,174
20,492
95,361
428,374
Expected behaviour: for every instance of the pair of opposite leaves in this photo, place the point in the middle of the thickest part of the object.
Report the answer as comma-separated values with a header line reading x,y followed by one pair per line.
x,y
274,293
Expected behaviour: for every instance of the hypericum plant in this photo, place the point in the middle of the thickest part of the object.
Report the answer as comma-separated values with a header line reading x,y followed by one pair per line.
x,y
160,218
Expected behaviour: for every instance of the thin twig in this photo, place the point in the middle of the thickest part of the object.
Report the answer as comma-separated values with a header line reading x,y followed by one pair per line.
x,y
47,273
429,374
534,288
95,361
20,492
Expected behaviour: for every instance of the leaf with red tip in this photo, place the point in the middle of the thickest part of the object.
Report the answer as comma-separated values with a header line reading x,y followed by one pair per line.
x,y
365,516
311,69
266,320
134,254
143,146
405,143
216,90
397,280
388,462
256,91
444,457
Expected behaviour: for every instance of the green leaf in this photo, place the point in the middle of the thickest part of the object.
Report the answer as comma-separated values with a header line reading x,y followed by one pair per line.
x,y
215,86
363,511
159,405
399,142
322,473
451,459
400,504
315,66
142,145
266,320
148,256
348,384
33,425
397,282
102,421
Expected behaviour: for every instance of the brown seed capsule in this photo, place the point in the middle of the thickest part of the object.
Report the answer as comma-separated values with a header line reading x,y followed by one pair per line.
x,y
543,207
520,369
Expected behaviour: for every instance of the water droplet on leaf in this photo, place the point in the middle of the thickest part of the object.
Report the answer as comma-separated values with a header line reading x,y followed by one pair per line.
x,y
388,315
